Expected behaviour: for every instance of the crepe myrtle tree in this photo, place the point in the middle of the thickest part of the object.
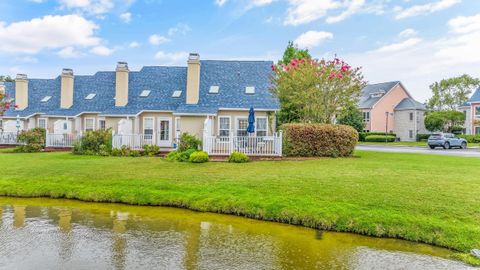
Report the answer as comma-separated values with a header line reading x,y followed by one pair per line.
x,y
316,91
5,104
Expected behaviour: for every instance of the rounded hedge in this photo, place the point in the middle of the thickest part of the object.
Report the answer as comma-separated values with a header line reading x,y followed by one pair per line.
x,y
318,140
363,135
380,138
238,157
198,157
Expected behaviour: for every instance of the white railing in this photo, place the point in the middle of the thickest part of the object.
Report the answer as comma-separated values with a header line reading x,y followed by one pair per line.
x,y
8,138
250,145
133,141
55,140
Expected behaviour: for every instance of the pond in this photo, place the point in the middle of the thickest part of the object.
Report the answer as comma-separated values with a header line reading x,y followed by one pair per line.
x,y
63,234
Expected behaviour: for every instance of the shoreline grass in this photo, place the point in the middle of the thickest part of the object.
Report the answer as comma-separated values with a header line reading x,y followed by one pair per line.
x,y
423,198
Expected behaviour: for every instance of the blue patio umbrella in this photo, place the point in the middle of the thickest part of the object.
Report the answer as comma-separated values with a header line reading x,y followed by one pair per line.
x,y
251,121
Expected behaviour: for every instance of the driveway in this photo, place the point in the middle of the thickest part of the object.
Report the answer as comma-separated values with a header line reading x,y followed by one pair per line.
x,y
421,150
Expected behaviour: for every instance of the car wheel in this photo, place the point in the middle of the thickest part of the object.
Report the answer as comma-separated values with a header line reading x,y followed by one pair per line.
x,y
464,145
432,147
446,145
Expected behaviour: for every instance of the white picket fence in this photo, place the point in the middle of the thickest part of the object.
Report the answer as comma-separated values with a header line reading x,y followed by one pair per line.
x,y
54,140
133,141
8,138
250,145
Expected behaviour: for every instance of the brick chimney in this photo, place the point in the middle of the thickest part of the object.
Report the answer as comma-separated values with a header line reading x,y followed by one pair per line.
x,y
21,91
193,78
66,90
121,84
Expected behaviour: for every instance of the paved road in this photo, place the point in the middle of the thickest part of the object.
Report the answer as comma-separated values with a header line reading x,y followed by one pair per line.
x,y
473,152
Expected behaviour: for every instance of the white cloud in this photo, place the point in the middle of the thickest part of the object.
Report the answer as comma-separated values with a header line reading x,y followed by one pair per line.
x,y
49,32
312,39
462,24
95,7
126,17
220,2
353,7
409,32
171,58
134,44
180,28
424,9
418,63
27,59
157,39
68,52
101,51
400,46
259,3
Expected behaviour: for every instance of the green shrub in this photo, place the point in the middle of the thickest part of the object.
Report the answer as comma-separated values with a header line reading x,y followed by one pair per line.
x,y
318,140
188,141
151,150
380,138
97,142
33,140
238,157
470,138
116,152
180,156
198,157
363,135
172,156
422,137
135,153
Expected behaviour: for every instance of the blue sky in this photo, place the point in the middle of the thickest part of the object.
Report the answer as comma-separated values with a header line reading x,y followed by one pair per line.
x,y
415,41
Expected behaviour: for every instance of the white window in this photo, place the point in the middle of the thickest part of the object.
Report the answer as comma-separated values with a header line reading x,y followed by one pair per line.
x,y
145,93
148,125
410,134
90,96
214,89
477,112
261,126
177,93
477,130
45,99
42,123
164,130
411,116
242,125
89,124
366,117
224,126
102,124
250,90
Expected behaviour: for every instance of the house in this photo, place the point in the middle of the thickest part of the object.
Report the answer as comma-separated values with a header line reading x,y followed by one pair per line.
x,y
389,107
207,98
471,109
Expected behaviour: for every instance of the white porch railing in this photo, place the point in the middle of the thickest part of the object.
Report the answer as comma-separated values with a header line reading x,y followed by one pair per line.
x,y
133,141
250,145
55,140
8,138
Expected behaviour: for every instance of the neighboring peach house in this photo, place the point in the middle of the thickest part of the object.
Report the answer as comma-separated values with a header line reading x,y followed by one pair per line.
x,y
210,99
388,107
471,109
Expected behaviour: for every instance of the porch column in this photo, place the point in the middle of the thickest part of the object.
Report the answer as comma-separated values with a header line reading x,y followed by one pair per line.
x,y
136,125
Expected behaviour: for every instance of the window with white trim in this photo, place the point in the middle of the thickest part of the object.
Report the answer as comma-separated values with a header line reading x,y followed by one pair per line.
x,y
477,112
366,117
261,126
102,124
90,96
410,134
164,130
46,98
89,124
224,126
42,123
148,125
250,90
411,116
145,93
214,89
242,125
177,93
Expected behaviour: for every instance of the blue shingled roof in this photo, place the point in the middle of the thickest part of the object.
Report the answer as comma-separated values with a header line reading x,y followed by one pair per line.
x,y
476,96
367,101
231,76
410,104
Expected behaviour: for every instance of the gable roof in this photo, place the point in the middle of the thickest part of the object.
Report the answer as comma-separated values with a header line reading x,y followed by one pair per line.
x,y
231,76
367,101
410,104
476,96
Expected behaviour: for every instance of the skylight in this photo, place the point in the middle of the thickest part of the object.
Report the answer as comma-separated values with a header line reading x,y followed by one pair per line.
x,y
214,89
250,90
45,99
145,93
177,93
90,96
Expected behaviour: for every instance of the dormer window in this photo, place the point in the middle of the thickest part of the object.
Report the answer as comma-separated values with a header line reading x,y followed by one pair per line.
x,y
250,90
145,93
90,96
377,94
214,89
177,93
46,99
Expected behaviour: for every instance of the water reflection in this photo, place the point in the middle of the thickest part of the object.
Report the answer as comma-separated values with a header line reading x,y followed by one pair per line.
x,y
53,234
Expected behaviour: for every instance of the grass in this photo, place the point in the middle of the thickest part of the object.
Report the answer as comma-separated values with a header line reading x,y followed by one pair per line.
x,y
424,198
424,144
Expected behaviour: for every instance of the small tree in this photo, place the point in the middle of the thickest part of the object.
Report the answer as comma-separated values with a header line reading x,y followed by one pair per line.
x,y
6,78
449,93
293,52
315,91
446,121
353,117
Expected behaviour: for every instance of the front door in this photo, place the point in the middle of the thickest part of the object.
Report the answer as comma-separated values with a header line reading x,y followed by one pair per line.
x,y
164,135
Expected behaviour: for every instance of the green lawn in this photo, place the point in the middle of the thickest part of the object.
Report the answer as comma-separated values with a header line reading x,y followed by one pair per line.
x,y
426,198
424,144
